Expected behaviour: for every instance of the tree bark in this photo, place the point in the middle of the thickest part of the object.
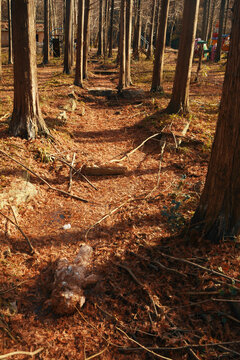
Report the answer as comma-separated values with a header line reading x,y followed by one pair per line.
x,y
79,59
0,39
26,121
86,38
129,5
68,37
100,29
205,19
111,30
226,18
150,45
10,56
220,31
218,213
137,32
160,47
46,33
180,94
122,47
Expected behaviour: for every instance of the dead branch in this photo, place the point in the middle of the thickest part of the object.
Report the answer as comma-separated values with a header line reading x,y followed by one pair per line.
x,y
32,251
134,150
201,267
71,172
95,355
43,180
28,353
103,170
13,288
4,116
143,347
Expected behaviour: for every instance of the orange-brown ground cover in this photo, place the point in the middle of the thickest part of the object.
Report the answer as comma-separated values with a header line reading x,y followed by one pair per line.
x,y
143,297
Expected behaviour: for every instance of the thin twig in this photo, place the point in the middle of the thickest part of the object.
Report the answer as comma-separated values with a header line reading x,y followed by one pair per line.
x,y
142,346
230,350
95,355
13,288
43,180
201,267
21,231
134,150
28,353
4,116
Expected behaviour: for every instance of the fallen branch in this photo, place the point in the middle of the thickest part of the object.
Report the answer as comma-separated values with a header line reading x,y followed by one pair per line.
x,y
95,355
28,353
43,180
201,267
21,231
4,116
71,172
103,170
134,150
143,347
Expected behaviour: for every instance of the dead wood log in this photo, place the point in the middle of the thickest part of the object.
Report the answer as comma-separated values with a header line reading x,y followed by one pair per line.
x,y
103,169
70,281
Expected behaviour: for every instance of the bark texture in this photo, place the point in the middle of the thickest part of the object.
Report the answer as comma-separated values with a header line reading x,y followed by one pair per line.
x,y
122,47
0,39
68,37
160,47
86,38
27,119
180,94
10,55
46,33
150,45
137,31
220,30
129,6
218,213
100,29
111,30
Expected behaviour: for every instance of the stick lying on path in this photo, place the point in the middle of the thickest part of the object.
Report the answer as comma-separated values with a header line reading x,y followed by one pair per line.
x,y
43,180
29,353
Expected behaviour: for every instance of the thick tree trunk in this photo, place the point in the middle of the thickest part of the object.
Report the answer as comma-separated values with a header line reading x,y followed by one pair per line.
x,y
111,30
156,20
86,38
79,59
122,47
105,28
10,55
46,33
220,31
68,37
160,47
100,29
204,20
150,45
137,32
218,213
129,5
180,94
27,121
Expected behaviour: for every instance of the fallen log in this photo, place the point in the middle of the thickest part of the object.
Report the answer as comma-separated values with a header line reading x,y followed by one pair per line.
x,y
102,170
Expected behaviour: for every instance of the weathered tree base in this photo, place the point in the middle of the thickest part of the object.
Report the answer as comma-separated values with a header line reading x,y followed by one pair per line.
x,y
27,127
102,170
70,281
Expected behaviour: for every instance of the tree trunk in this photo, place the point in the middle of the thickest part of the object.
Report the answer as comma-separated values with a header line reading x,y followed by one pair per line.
x,y
105,28
180,94
218,213
86,38
150,45
68,37
122,46
204,20
10,56
129,5
26,121
160,47
156,21
210,29
226,18
137,32
111,30
46,33
79,59
100,29
220,31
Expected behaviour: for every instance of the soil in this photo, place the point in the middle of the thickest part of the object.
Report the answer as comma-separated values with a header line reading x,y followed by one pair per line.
x,y
148,303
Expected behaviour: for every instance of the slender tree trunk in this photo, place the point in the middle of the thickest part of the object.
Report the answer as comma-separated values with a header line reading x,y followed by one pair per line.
x,y
106,28
226,18
100,29
27,120
137,32
10,56
218,213
68,37
180,94
122,45
46,33
160,47
86,38
210,30
204,20
79,59
129,6
220,31
156,22
111,30
150,45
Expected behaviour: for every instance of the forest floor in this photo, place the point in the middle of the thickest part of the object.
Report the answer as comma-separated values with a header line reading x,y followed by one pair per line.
x,y
160,295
